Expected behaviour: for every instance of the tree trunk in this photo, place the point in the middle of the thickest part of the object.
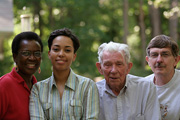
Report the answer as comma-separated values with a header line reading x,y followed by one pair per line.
x,y
142,32
155,20
125,19
173,21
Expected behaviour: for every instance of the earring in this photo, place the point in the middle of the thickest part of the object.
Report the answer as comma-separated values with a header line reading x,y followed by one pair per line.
x,y
39,70
16,68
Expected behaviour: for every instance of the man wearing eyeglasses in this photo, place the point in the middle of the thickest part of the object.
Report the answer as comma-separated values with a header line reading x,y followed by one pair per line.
x,y
162,57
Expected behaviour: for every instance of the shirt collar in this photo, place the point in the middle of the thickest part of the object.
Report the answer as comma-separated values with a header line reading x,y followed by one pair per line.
x,y
107,89
71,81
19,79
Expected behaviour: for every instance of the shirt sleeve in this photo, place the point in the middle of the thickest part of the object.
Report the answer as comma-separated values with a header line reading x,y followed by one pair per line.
x,y
91,103
35,106
3,102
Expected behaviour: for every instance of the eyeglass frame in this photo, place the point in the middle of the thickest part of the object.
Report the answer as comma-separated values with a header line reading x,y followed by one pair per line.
x,y
29,53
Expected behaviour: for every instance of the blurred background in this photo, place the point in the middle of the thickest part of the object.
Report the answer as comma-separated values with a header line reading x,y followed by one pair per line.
x,y
134,22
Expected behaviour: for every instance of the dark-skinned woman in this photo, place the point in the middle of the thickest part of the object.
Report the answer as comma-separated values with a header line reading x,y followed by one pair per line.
x,y
15,86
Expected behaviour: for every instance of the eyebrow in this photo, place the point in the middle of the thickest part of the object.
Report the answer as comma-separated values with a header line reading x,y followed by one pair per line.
x,y
65,46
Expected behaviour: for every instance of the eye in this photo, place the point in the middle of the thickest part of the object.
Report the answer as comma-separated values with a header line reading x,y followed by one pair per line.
x,y
153,55
119,64
55,49
165,54
37,54
107,64
67,50
25,53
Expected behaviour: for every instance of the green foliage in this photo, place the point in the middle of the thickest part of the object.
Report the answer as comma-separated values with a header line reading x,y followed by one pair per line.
x,y
93,21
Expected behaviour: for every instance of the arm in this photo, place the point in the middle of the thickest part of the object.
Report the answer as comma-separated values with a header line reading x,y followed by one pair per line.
x,y
91,103
35,106
3,102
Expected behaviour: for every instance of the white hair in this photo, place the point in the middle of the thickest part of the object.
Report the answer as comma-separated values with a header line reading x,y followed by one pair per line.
x,y
114,47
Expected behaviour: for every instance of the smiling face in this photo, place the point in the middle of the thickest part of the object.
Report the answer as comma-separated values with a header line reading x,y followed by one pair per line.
x,y
62,53
27,65
161,61
114,68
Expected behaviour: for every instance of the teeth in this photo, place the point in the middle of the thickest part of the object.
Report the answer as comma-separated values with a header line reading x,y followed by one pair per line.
x,y
31,65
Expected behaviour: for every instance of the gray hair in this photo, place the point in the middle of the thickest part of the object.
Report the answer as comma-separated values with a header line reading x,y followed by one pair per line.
x,y
114,47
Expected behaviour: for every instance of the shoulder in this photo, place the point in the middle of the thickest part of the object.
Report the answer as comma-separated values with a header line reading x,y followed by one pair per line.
x,y
6,80
177,72
139,81
43,83
83,79
101,83
133,77
149,77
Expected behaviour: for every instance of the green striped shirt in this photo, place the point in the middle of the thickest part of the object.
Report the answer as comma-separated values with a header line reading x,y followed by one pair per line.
x,y
80,100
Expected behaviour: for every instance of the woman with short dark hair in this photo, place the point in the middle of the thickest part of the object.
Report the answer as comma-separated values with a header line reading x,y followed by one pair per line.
x,y
15,86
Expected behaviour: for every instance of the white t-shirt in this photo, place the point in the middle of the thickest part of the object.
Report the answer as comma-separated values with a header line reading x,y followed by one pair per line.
x,y
169,97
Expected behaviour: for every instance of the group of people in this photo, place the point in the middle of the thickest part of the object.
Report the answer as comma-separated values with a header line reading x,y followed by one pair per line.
x,y
66,95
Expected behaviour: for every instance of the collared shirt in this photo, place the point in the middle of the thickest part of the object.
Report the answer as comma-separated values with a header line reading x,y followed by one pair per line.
x,y
80,100
136,101
169,97
14,97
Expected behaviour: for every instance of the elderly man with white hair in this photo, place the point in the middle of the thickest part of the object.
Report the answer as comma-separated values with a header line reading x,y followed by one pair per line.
x,y
123,96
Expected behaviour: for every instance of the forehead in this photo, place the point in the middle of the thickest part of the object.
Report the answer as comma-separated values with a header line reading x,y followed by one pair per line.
x,y
30,45
112,56
62,40
159,50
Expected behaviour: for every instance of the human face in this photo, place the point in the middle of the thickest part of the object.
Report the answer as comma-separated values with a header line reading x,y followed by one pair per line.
x,y
161,61
27,65
114,68
62,53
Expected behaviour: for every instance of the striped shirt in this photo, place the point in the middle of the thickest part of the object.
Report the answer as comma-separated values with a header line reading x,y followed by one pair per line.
x,y
80,100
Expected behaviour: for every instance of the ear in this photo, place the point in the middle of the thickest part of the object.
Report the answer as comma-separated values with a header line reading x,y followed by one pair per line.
x,y
177,59
74,57
14,57
130,66
147,59
98,65
49,54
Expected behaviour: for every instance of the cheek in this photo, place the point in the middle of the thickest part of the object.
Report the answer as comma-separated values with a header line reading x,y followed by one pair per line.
x,y
105,72
39,60
151,62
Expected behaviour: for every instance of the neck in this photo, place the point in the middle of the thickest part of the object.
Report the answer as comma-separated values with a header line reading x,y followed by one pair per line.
x,y
162,79
61,76
116,90
28,80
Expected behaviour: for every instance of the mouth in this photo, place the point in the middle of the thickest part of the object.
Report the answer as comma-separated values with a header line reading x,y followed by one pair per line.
x,y
31,65
158,65
60,61
113,78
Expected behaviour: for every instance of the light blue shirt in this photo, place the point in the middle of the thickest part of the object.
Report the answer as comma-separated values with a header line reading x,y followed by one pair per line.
x,y
80,100
136,101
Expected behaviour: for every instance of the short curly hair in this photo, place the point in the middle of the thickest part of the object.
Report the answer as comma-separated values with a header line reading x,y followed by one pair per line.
x,y
64,32
24,36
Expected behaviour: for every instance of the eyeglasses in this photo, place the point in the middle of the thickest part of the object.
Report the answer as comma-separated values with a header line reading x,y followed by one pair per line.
x,y
164,55
36,54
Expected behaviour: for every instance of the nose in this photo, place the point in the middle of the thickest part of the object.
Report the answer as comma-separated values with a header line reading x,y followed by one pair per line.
x,y
114,69
159,58
61,53
32,57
